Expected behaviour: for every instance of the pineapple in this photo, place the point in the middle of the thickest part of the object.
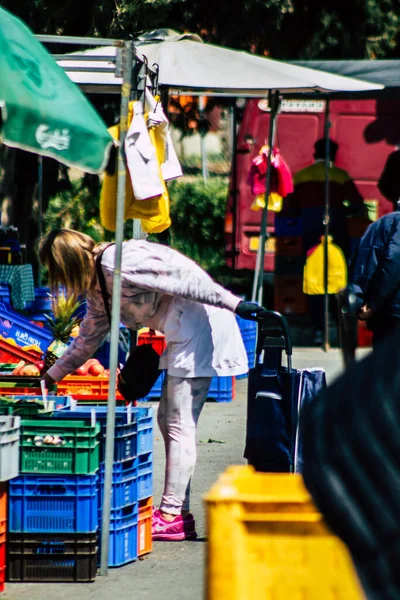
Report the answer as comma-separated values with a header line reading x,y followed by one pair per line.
x,y
61,326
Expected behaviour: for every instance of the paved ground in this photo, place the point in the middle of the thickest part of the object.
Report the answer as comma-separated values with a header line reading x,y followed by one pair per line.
x,y
174,571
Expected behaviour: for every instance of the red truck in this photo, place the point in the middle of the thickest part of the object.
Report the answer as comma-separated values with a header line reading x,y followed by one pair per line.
x,y
367,131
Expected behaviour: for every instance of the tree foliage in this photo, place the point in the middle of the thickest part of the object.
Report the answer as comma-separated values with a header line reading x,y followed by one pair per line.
x,y
197,214
77,207
285,29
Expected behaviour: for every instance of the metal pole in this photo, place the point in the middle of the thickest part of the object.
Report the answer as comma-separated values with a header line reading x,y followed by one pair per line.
x,y
116,305
327,126
203,149
40,212
138,91
234,190
259,272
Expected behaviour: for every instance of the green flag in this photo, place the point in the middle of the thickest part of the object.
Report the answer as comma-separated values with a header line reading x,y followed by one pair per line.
x,y
42,111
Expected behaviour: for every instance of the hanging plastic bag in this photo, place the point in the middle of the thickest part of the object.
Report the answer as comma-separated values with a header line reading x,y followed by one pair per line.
x,y
313,275
281,179
285,179
275,202
141,158
157,120
154,212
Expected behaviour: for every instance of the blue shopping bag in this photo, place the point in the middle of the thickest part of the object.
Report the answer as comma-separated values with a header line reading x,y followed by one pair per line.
x,y
276,395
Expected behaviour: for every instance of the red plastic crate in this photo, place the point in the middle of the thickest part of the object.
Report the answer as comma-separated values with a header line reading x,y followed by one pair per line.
x,y
157,340
97,386
20,391
9,353
3,510
99,399
145,544
364,335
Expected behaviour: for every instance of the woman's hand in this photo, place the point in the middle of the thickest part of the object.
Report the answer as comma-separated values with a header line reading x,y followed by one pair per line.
x,y
249,310
365,313
47,380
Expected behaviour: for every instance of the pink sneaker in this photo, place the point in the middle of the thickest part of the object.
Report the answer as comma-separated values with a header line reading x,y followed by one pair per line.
x,y
173,531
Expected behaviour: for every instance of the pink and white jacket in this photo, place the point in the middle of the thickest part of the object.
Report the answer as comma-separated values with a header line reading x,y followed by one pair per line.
x,y
153,276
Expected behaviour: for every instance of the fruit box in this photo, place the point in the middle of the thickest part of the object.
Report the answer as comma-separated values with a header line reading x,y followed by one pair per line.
x,y
11,353
85,385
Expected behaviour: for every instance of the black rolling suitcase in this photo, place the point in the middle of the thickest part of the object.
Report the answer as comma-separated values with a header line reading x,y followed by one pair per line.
x,y
275,395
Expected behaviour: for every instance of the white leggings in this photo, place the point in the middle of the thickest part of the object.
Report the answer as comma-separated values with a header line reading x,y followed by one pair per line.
x,y
180,406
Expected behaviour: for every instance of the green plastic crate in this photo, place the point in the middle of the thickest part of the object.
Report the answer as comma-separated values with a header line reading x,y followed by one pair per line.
x,y
33,407
7,367
74,450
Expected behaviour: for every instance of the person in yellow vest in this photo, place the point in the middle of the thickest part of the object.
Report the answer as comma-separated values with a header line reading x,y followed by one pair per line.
x,y
308,202
314,283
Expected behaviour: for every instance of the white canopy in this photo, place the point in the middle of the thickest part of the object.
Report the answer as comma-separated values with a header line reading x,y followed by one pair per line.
x,y
187,64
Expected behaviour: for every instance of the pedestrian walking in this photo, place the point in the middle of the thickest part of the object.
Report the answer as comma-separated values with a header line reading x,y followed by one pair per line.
x,y
375,275
165,291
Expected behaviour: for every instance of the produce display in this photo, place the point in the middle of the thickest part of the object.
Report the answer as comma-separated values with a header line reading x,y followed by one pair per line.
x,y
91,367
11,341
29,370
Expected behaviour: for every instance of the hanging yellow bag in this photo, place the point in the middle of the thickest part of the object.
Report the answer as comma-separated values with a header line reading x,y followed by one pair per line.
x,y
153,212
313,276
275,202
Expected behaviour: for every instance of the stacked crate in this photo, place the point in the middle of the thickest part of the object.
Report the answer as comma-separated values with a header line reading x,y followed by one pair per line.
x,y
20,332
222,389
53,503
122,545
145,478
248,330
289,264
9,466
132,479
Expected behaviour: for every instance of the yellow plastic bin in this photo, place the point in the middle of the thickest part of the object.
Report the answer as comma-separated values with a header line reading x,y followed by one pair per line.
x,y
267,541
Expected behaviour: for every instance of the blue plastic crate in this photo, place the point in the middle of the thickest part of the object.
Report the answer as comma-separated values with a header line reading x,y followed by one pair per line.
x,y
123,539
248,329
221,389
60,402
42,304
103,353
288,226
124,489
5,294
125,440
22,331
145,475
53,504
26,406
144,429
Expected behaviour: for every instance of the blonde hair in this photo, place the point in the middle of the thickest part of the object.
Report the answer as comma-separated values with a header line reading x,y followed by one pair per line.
x,y
68,256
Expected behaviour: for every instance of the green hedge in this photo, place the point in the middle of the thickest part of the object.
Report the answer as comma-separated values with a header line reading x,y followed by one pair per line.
x,y
198,214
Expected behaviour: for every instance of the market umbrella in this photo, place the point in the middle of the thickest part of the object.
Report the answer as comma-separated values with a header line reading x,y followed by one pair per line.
x,y
189,65
41,110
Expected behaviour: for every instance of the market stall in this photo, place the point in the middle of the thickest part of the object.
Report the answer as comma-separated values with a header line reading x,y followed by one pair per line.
x,y
188,65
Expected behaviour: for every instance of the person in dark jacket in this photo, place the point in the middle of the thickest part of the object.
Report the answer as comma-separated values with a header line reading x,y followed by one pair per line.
x,y
389,181
375,274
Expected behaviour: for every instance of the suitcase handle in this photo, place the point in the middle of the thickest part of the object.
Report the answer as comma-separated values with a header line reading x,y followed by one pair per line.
x,y
283,325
